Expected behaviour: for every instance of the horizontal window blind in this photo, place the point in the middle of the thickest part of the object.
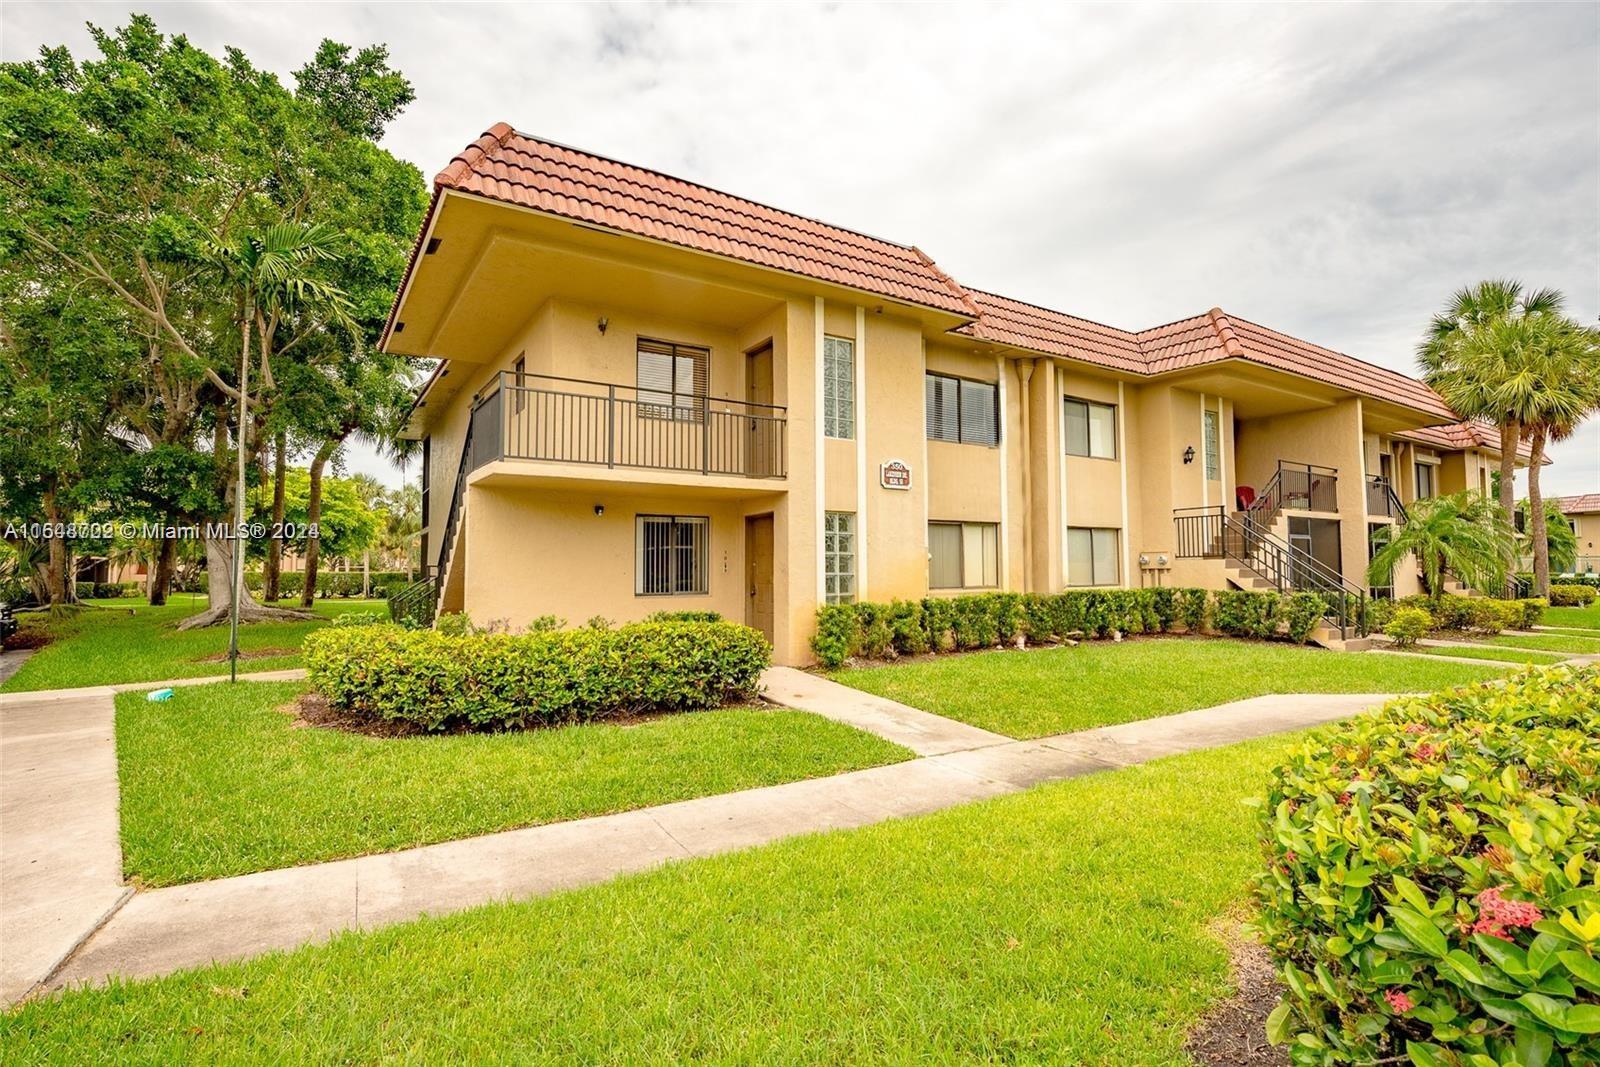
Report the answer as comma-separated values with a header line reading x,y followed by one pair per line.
x,y
960,411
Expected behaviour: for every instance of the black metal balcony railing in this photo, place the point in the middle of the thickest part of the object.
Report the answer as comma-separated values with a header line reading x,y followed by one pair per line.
x,y
1381,498
1296,487
571,420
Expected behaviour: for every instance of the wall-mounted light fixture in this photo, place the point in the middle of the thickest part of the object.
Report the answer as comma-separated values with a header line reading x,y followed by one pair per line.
x,y
1188,455
599,509
602,324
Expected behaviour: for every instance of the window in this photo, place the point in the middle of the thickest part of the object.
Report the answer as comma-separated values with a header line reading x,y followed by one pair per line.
x,y
1427,480
670,555
1212,443
838,387
1091,556
960,411
1090,429
519,378
839,556
963,555
672,380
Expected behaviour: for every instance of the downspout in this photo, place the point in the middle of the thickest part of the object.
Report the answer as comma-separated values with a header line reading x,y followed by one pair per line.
x,y
1025,399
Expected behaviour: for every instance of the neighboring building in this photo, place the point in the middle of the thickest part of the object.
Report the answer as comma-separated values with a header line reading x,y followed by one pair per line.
x,y
1583,513
677,398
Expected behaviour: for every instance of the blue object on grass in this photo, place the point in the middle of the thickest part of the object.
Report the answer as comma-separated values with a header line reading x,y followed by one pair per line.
x,y
159,696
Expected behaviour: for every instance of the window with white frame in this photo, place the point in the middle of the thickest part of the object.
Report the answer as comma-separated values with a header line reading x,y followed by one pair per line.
x,y
1213,443
839,556
1092,555
1427,480
671,379
1089,429
670,554
963,555
961,411
838,387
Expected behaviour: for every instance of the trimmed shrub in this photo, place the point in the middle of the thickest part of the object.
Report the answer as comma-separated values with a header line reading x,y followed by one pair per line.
x,y
1492,616
438,681
1194,609
1302,613
906,628
838,635
1240,613
1572,596
667,616
1408,626
1431,889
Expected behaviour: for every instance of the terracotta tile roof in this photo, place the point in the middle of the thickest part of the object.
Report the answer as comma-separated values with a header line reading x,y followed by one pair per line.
x,y
1457,436
1012,322
518,169
1582,504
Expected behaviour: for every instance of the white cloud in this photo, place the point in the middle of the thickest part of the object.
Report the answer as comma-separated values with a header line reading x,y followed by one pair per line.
x,y
1334,171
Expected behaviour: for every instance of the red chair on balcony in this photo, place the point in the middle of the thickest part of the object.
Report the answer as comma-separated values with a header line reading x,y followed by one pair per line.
x,y
1243,497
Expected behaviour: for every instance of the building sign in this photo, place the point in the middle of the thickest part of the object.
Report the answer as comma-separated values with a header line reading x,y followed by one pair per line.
x,y
894,475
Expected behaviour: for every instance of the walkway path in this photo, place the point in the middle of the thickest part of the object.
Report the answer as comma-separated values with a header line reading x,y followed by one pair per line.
x,y
172,928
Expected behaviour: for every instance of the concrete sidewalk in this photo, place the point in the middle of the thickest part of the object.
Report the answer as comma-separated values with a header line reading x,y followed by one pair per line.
x,y
924,733
60,856
187,926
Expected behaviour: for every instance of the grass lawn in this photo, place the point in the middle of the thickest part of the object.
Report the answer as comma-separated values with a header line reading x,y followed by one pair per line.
x,y
216,782
1584,618
1570,643
1058,690
1066,924
1505,655
126,640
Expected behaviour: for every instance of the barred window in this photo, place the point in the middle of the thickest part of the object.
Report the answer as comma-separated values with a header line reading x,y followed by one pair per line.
x,y
671,379
839,556
670,554
838,387
1089,429
961,411
1213,447
1091,555
963,555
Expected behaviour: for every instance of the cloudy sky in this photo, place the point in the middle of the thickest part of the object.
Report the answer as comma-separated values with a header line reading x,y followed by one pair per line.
x,y
1333,171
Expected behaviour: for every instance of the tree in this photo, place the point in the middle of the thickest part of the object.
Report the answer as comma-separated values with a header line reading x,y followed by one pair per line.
x,y
153,170
1561,543
1478,343
1464,534
1557,388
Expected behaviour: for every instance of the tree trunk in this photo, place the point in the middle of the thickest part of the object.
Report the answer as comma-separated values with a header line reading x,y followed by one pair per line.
x,y
366,574
219,582
1510,436
166,561
57,580
273,567
313,518
1536,519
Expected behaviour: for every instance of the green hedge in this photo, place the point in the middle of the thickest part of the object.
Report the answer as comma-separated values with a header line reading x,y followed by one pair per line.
x,y
331,583
1451,612
108,590
1572,595
500,681
986,620
1431,889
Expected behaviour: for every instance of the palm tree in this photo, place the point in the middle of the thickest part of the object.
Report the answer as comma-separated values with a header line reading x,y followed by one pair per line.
x,y
1559,389
1560,541
1477,344
1464,534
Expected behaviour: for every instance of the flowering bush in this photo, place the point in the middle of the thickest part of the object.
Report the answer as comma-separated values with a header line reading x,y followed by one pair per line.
x,y
1432,881
1408,626
498,680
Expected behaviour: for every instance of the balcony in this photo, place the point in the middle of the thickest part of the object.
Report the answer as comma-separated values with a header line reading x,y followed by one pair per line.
x,y
1381,499
1293,487
596,424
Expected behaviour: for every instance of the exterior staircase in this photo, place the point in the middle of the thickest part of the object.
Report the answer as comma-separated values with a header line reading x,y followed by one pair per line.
x,y
443,587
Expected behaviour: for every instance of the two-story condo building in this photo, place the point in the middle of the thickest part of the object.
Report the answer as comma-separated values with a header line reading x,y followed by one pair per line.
x,y
656,396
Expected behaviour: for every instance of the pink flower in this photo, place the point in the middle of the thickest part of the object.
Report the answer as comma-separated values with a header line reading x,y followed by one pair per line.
x,y
1498,911
1416,728
1490,928
1425,751
1399,1003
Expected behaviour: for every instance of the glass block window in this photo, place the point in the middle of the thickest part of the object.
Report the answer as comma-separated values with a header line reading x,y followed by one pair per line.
x,y
1089,429
1213,445
1091,555
838,387
961,411
839,556
670,554
963,555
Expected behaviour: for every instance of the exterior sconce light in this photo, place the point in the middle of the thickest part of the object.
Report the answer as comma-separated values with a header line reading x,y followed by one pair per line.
x,y
599,509
602,324
1188,455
